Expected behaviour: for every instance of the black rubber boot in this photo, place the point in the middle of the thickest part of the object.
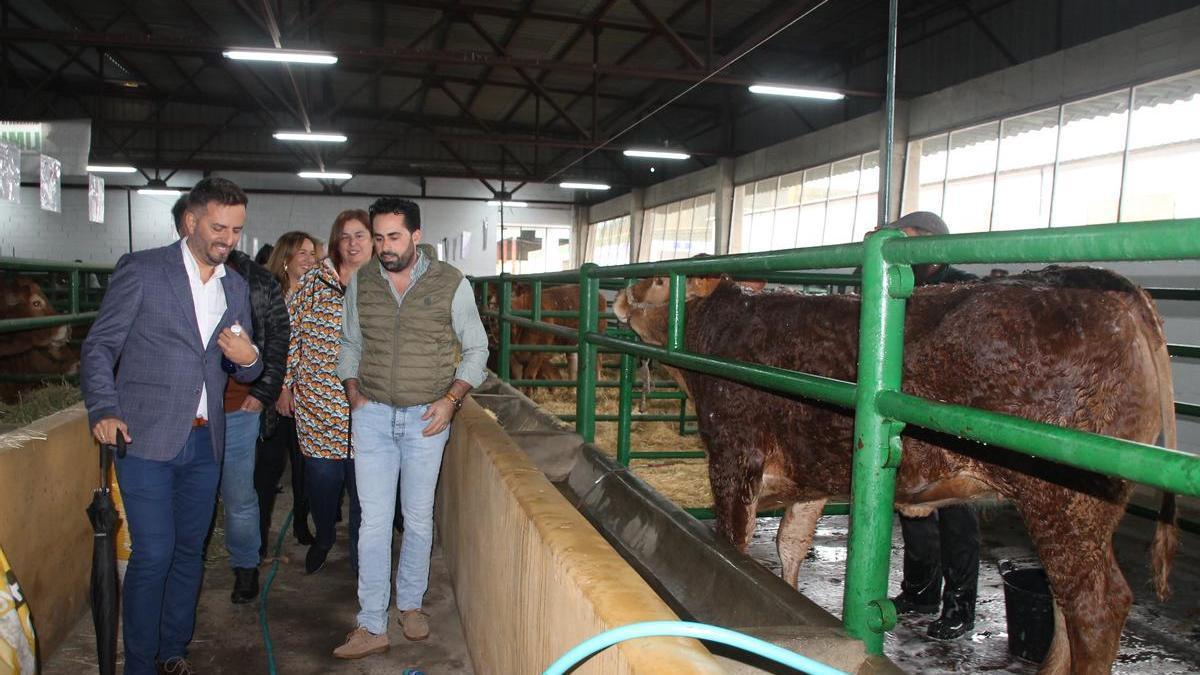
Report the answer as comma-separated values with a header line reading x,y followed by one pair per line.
x,y
919,599
958,614
245,585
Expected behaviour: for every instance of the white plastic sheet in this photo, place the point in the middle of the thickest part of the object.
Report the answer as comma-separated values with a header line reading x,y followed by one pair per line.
x,y
95,198
466,242
10,173
51,184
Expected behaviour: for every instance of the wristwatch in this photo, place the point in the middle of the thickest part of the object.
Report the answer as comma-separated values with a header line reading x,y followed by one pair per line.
x,y
454,399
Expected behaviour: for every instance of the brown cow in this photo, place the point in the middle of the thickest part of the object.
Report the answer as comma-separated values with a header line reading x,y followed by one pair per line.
x,y
538,365
1075,347
40,351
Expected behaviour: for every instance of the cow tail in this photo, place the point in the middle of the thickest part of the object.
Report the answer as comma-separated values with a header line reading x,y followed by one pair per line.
x,y
1166,533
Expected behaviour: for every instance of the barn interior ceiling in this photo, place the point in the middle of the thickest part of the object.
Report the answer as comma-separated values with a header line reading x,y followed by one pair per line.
x,y
498,90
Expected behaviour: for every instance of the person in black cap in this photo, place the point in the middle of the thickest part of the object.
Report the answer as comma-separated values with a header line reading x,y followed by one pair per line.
x,y
941,550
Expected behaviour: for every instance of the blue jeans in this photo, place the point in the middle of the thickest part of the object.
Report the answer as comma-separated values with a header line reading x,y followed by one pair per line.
x,y
237,489
388,446
169,506
323,482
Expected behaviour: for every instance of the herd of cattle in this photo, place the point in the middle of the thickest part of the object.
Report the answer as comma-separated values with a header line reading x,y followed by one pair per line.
x,y
1075,347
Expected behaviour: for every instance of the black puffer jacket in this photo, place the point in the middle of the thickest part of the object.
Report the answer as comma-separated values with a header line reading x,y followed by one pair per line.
x,y
272,330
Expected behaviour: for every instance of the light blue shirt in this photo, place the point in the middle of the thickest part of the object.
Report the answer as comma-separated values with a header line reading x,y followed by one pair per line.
x,y
464,320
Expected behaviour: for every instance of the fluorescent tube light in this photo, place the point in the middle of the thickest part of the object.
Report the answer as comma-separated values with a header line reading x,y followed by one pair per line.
x,y
281,56
104,168
516,205
332,175
159,192
583,186
656,154
823,94
314,136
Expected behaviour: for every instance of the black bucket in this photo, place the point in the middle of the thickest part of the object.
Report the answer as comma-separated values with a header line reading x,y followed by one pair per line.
x,y
1029,610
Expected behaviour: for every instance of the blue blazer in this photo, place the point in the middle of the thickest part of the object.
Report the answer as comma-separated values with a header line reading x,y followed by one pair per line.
x,y
143,360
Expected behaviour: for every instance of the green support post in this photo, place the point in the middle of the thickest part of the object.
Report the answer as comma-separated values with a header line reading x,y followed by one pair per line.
x,y
625,408
585,391
75,288
866,610
675,312
537,301
682,414
505,330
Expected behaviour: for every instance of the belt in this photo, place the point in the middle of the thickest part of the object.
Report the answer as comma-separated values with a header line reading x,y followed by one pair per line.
x,y
199,422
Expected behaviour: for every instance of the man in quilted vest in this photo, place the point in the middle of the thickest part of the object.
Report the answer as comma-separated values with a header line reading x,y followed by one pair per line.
x,y
412,347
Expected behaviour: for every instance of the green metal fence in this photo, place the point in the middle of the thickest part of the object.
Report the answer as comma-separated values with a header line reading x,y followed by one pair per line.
x,y
74,290
881,410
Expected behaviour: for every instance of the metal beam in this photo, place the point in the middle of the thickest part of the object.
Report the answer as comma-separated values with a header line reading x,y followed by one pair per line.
x,y
398,54
680,46
988,33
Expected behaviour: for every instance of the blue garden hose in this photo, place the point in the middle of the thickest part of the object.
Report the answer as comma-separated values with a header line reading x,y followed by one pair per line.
x,y
690,629
262,598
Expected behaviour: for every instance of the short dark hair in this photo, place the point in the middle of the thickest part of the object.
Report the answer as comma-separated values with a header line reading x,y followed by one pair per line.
x,y
400,207
177,211
220,190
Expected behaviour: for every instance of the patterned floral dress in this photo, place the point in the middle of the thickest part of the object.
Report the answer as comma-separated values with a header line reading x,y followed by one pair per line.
x,y
321,411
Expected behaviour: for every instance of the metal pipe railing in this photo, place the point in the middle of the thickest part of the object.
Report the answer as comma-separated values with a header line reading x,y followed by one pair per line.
x,y
75,292
881,409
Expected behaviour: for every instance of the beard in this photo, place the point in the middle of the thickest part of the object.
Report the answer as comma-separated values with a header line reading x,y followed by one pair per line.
x,y
394,262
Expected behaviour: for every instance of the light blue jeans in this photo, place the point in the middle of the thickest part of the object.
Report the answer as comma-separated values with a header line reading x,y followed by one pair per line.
x,y
388,446
237,489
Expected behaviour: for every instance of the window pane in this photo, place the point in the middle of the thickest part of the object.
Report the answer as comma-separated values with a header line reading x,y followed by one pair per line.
x,y
789,189
812,225
1026,171
868,179
1091,150
839,221
866,215
702,226
816,185
741,206
784,234
973,151
924,173
764,194
844,180
970,172
1164,141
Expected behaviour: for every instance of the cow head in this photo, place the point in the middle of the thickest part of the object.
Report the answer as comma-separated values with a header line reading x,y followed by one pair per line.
x,y
643,306
23,298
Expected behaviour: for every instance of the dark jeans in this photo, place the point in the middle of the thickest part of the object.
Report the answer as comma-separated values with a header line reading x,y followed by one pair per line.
x,y
274,453
945,542
169,506
324,480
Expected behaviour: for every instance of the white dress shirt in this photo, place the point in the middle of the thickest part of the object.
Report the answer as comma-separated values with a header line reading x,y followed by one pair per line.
x,y
208,299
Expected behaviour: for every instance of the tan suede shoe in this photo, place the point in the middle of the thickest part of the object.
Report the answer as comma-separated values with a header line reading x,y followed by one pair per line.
x,y
415,624
361,642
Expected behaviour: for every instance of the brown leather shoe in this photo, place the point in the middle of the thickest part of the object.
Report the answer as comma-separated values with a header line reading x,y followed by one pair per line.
x,y
415,624
361,642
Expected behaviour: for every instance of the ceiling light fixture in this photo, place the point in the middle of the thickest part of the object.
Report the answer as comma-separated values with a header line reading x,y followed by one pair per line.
x,y
281,56
157,187
331,175
313,136
656,154
797,92
583,186
106,168
515,205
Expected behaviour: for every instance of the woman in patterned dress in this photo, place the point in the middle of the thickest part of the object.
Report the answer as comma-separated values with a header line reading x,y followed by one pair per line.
x,y
290,258
318,401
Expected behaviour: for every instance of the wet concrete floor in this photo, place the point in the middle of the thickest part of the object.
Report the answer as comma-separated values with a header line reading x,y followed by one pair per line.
x,y
307,615
1161,638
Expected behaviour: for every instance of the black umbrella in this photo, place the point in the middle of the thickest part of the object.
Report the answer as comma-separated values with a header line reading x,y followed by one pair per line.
x,y
103,515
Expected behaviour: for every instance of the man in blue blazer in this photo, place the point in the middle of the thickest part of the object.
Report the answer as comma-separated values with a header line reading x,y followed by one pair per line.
x,y
153,371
